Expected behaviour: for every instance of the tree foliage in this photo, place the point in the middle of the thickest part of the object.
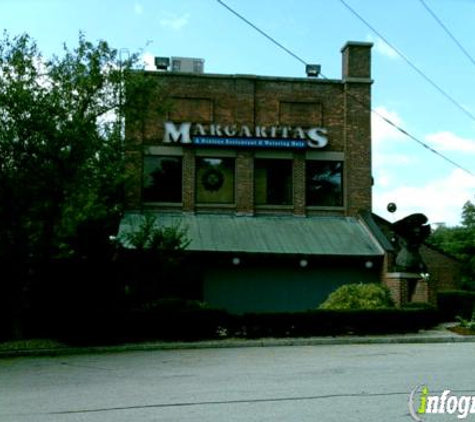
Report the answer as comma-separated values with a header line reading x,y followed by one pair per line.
x,y
154,267
61,153
153,237
60,144
468,215
459,241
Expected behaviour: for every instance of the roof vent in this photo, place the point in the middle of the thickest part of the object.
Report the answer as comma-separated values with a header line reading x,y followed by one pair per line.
x,y
162,63
187,65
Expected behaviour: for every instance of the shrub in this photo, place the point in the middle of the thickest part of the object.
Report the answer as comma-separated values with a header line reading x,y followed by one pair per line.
x,y
455,303
320,322
173,304
359,296
172,324
467,324
151,235
419,306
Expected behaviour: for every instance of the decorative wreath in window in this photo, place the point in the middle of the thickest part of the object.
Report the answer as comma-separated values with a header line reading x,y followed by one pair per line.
x,y
212,180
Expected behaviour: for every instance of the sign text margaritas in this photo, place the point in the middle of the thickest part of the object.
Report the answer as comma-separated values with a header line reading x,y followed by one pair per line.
x,y
245,136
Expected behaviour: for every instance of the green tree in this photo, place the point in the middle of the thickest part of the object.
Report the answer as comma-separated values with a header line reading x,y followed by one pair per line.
x,y
459,241
61,154
468,215
154,269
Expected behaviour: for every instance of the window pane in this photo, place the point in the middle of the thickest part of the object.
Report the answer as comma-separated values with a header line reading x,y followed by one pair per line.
x,y
162,179
215,180
324,183
273,182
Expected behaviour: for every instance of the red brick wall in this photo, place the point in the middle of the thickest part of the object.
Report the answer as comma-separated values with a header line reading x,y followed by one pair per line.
x,y
340,106
299,184
445,271
245,185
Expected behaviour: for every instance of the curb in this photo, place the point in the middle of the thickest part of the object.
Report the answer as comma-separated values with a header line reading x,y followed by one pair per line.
x,y
234,343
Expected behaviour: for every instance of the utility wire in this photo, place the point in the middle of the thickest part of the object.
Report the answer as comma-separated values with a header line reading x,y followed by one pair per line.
x,y
261,32
366,105
420,72
426,146
437,19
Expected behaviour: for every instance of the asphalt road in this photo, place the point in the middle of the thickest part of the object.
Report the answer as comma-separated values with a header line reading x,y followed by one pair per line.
x,y
301,383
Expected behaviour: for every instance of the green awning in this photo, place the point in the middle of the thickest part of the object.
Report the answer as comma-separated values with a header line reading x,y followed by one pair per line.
x,y
327,236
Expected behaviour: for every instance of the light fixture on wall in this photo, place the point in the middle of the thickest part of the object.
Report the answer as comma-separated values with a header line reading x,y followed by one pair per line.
x,y
236,260
303,263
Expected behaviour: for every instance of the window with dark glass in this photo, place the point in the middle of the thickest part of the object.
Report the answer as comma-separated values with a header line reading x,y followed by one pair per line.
x,y
162,179
214,180
273,182
324,183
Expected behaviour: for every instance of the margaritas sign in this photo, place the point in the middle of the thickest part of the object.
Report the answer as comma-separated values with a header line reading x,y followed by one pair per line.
x,y
245,136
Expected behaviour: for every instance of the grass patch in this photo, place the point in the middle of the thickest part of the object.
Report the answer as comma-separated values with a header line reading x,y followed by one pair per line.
x,y
464,331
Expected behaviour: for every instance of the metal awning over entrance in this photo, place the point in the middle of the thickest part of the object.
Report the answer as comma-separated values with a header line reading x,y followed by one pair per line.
x,y
327,236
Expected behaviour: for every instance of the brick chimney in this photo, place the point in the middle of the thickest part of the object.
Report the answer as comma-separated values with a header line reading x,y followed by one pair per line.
x,y
356,61
357,82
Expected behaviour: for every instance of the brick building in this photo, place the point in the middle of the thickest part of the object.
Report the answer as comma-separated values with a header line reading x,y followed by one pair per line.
x,y
270,176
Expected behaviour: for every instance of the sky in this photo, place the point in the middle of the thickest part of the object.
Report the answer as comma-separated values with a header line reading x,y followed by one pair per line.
x,y
423,68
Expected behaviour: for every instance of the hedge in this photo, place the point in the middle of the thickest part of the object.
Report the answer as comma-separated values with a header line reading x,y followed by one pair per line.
x,y
331,323
95,328
140,325
454,303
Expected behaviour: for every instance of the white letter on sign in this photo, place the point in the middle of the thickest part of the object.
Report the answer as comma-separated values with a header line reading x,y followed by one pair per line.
x,y
172,134
317,137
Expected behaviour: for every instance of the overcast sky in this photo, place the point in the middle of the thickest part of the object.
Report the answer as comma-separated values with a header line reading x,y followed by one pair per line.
x,y
424,81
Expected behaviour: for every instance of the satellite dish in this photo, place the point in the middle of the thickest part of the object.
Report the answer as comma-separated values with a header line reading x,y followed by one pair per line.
x,y
392,207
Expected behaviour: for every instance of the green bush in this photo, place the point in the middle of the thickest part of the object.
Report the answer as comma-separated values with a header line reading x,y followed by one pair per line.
x,y
359,296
